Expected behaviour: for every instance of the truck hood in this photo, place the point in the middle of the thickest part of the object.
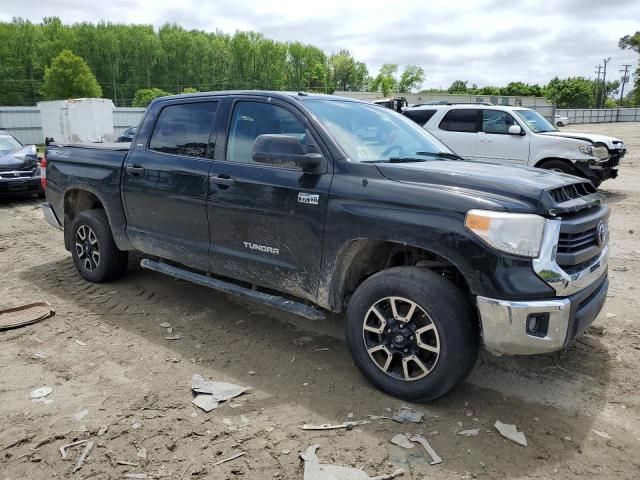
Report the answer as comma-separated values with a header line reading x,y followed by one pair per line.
x,y
24,158
587,137
528,186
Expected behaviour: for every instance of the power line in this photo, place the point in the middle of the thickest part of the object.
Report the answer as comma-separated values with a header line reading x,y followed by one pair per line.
x,y
599,72
604,82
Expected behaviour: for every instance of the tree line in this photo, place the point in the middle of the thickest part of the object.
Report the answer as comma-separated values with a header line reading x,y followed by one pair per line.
x,y
128,58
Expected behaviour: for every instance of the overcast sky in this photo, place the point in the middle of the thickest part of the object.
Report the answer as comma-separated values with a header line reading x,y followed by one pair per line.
x,y
484,41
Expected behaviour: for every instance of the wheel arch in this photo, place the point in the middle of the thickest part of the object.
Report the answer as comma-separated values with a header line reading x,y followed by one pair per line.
x,y
358,259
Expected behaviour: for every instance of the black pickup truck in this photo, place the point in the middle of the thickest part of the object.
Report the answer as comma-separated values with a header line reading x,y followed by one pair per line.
x,y
316,204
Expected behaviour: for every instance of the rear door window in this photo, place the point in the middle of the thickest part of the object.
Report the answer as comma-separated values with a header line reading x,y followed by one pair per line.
x,y
460,120
184,129
419,116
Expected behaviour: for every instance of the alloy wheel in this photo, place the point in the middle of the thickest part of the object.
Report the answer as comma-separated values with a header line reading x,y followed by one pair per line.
x,y
401,338
87,247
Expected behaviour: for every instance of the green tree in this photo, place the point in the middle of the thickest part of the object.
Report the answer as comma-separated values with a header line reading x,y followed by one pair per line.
x,y
69,77
632,42
385,81
458,86
411,78
189,90
347,74
574,92
144,96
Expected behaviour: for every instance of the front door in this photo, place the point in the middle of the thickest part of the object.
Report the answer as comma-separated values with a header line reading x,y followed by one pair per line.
x,y
165,185
266,222
496,145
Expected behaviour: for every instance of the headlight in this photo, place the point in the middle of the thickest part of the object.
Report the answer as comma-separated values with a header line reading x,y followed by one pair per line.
x,y
601,153
516,233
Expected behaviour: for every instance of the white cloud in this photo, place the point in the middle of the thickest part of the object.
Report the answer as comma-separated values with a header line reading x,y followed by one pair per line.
x,y
484,42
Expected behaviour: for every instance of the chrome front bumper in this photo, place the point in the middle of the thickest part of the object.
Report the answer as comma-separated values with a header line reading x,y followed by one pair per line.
x,y
50,216
504,323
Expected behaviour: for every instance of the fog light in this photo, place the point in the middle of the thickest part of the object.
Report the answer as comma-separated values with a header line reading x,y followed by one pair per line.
x,y
538,324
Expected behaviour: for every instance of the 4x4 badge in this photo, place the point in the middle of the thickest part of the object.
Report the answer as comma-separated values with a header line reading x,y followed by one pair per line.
x,y
310,198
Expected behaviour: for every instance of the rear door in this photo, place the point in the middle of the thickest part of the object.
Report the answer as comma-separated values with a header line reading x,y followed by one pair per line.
x,y
165,184
458,130
496,145
266,222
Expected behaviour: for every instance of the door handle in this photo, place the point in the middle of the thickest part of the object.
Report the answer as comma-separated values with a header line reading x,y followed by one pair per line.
x,y
135,170
485,141
223,181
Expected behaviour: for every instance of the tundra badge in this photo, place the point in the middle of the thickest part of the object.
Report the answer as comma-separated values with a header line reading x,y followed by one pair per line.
x,y
261,248
310,198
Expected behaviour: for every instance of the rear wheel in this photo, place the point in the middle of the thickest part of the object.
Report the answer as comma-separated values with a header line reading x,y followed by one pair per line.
x,y
412,333
94,252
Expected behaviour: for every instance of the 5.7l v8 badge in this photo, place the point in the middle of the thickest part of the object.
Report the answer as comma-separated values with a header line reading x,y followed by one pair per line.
x,y
310,198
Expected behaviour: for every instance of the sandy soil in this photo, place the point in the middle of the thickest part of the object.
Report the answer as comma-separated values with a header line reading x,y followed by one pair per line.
x,y
106,357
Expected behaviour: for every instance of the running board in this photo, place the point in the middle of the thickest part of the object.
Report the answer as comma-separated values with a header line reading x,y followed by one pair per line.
x,y
275,301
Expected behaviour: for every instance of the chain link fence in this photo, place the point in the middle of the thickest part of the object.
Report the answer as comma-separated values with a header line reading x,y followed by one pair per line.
x,y
599,115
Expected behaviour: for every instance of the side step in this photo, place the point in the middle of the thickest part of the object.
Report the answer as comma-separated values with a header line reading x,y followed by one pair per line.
x,y
275,301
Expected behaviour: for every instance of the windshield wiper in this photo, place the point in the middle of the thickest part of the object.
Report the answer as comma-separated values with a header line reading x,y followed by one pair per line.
x,y
448,156
396,160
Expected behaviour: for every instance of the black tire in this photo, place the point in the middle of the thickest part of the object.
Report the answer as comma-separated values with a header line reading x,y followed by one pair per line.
x,y
560,166
93,226
559,124
456,332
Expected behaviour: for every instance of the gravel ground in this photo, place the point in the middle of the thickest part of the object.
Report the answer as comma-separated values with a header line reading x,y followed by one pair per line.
x,y
119,383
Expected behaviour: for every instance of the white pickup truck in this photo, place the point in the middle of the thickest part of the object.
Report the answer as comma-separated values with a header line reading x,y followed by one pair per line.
x,y
519,136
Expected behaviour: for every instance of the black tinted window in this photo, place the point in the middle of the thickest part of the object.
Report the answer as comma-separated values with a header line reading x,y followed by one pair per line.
x,y
460,120
494,121
184,129
419,116
251,119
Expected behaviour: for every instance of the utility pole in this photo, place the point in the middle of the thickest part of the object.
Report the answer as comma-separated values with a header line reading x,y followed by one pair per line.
x,y
625,79
604,82
598,71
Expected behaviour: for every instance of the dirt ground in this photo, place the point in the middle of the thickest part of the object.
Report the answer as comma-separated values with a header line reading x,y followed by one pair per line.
x,y
106,357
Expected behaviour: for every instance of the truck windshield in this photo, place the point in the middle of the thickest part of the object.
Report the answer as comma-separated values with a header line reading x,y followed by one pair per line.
x,y
369,133
8,143
536,122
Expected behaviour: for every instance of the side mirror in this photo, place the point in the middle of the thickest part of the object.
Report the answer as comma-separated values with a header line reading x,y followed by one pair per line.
x,y
515,130
285,151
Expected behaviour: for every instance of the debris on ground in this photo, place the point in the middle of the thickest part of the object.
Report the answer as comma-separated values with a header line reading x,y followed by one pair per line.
x,y
602,434
126,463
435,458
511,432
173,337
474,432
63,449
210,394
40,392
407,415
165,325
302,341
83,456
77,417
25,315
402,441
135,475
314,470
142,453
621,268
80,342
327,426
103,429
233,457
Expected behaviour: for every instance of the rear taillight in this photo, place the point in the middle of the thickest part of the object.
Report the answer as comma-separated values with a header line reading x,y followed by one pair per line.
x,y
43,172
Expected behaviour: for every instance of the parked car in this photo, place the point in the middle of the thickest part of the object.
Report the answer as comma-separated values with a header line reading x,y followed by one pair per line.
x,y
316,203
19,167
561,121
127,135
519,136
396,103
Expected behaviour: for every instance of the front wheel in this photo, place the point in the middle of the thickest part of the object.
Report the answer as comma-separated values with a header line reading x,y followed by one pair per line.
x,y
94,252
412,333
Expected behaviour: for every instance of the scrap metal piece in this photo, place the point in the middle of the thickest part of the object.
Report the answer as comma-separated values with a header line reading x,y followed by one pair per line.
x,y
402,441
474,432
205,402
233,457
83,456
435,458
221,391
314,470
40,392
327,426
63,449
511,432
407,415
25,315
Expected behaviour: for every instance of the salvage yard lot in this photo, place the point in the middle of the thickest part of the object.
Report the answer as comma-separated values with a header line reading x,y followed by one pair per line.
x,y
110,364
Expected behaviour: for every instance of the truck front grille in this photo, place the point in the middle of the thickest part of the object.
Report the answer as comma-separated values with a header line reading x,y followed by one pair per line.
x,y
579,240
